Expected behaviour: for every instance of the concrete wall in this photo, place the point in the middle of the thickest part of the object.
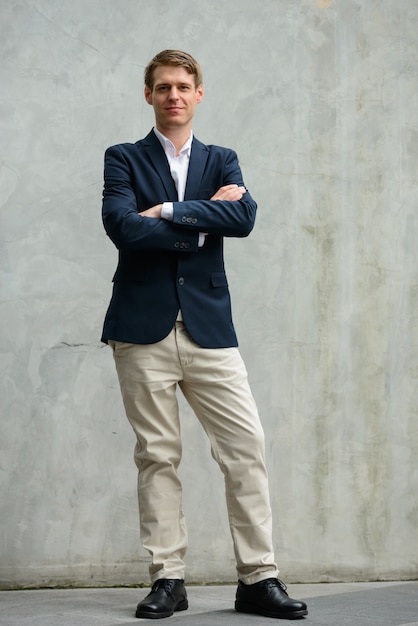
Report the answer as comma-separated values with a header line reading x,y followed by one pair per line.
x,y
319,98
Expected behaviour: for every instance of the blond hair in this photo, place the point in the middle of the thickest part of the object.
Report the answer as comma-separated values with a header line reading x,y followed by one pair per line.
x,y
176,58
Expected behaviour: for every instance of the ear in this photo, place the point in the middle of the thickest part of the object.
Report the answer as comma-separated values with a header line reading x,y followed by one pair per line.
x,y
199,93
148,94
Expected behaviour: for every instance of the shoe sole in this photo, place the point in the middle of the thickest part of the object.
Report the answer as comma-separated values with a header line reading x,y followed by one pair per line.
x,y
183,606
248,608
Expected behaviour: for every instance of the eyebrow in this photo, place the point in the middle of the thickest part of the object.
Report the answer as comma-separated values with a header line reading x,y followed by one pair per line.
x,y
181,83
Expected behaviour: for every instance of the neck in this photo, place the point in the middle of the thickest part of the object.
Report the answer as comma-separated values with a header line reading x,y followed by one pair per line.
x,y
178,136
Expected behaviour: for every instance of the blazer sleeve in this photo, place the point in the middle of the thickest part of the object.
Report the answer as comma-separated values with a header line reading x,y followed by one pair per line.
x,y
219,217
125,227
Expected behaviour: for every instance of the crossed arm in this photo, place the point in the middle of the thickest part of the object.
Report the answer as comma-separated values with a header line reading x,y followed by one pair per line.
x,y
228,192
230,212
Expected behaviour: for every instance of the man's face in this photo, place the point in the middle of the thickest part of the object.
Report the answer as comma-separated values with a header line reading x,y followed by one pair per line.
x,y
174,97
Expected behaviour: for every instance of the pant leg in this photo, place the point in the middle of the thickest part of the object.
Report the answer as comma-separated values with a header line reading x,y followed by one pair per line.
x,y
148,377
215,384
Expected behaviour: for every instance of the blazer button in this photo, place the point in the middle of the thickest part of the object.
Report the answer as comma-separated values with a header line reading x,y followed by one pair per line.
x,y
184,218
194,220
181,280
177,244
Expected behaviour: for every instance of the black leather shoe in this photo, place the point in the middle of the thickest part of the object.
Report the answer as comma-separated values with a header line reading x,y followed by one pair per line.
x,y
166,596
268,598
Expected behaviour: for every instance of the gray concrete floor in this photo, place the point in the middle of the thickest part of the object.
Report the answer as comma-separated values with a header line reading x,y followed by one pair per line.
x,y
355,604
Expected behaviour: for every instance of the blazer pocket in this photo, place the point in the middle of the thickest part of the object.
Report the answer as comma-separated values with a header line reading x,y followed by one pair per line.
x,y
218,279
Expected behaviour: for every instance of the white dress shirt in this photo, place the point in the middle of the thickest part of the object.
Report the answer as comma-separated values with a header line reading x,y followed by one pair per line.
x,y
179,168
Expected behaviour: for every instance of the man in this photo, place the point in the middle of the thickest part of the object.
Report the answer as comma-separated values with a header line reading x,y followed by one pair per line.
x,y
168,202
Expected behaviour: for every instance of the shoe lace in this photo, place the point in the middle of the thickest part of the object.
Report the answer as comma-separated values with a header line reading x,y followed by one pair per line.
x,y
276,582
166,584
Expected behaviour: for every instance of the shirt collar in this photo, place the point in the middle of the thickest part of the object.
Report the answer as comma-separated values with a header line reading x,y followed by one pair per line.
x,y
168,145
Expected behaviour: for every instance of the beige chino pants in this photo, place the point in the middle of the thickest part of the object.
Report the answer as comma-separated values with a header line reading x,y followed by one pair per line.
x,y
214,382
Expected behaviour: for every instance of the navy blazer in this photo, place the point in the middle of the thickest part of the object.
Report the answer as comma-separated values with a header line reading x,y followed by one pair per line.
x,y
161,269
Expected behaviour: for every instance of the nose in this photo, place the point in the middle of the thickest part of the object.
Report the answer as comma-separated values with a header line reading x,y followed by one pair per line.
x,y
174,94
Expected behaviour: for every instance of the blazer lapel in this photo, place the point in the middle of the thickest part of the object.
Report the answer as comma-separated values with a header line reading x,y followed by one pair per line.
x,y
198,158
157,157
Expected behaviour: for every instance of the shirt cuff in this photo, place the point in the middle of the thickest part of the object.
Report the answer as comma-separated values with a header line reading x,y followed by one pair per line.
x,y
202,237
167,211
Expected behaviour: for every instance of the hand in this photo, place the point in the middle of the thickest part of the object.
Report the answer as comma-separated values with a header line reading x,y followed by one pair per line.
x,y
229,192
154,211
